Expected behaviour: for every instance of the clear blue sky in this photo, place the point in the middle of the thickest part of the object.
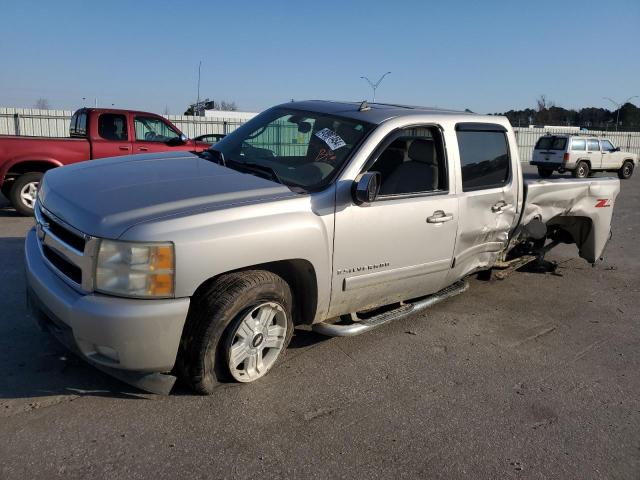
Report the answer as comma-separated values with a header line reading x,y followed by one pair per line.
x,y
488,56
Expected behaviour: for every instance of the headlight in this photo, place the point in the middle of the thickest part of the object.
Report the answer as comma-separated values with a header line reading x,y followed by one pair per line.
x,y
132,269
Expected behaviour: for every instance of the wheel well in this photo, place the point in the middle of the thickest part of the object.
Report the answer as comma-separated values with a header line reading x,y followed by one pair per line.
x,y
301,277
29,166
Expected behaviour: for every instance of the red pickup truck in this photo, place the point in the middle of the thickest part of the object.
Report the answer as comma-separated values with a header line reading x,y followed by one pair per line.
x,y
94,133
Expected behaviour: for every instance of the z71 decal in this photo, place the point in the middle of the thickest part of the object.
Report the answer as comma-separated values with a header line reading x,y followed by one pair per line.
x,y
603,202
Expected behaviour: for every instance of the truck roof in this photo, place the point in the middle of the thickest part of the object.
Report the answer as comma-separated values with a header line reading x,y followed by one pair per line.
x,y
115,110
378,112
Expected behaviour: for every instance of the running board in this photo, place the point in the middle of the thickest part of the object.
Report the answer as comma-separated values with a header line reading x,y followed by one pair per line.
x,y
356,328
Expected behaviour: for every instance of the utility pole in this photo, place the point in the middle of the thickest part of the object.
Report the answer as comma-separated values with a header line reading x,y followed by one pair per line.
x,y
374,86
619,105
198,100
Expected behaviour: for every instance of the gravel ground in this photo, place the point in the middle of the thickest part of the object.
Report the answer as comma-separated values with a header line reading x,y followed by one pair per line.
x,y
532,377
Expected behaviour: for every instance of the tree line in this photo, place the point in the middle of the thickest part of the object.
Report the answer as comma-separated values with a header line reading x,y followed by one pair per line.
x,y
592,118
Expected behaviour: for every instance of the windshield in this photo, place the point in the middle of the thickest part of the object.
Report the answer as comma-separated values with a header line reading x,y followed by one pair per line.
x,y
551,143
296,148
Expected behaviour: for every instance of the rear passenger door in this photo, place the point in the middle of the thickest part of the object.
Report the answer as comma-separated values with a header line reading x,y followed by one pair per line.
x,y
593,151
112,136
488,191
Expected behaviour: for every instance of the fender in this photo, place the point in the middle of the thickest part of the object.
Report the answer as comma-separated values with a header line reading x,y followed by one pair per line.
x,y
8,165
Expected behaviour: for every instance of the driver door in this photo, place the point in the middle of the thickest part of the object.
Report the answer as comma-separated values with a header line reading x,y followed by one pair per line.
x,y
152,134
401,246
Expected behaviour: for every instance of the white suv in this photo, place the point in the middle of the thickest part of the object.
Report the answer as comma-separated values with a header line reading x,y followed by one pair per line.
x,y
582,155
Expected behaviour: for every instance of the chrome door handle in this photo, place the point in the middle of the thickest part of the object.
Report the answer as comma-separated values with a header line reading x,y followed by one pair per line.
x,y
500,206
124,148
439,217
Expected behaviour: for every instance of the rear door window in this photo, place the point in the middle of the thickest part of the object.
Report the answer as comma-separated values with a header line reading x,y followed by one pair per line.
x,y
484,158
593,145
578,144
113,126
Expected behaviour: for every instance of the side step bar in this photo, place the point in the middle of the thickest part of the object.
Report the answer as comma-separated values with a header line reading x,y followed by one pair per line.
x,y
356,328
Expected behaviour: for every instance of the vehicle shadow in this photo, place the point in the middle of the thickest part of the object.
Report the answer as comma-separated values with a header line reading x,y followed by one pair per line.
x,y
32,363
6,210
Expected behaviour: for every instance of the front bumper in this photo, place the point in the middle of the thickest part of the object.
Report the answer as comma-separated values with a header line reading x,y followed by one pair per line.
x,y
133,340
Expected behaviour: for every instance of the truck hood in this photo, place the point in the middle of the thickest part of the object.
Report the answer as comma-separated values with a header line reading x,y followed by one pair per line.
x,y
106,197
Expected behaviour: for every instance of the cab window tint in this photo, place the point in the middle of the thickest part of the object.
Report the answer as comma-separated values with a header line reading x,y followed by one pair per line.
x,y
412,162
151,129
112,126
593,145
551,143
578,144
484,157
78,126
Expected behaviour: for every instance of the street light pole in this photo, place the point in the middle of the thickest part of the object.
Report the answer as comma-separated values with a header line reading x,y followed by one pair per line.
x,y
198,98
374,86
619,105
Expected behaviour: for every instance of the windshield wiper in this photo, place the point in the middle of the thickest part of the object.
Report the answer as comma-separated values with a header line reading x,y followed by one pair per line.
x,y
258,168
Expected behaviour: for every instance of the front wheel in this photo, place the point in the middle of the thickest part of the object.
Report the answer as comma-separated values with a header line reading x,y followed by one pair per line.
x,y
237,330
626,170
582,170
545,172
23,192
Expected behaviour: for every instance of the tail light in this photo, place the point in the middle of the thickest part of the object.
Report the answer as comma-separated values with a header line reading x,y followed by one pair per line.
x,y
565,157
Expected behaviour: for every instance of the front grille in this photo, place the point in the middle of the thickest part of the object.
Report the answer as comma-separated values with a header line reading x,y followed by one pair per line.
x,y
68,251
64,234
69,269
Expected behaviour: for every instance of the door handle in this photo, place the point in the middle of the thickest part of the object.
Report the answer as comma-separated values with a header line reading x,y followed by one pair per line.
x,y
439,217
124,148
143,149
500,206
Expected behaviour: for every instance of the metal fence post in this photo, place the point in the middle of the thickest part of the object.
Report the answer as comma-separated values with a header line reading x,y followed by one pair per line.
x,y
224,127
16,123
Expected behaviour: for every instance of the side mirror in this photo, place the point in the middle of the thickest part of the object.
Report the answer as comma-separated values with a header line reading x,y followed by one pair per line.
x,y
366,188
617,149
176,141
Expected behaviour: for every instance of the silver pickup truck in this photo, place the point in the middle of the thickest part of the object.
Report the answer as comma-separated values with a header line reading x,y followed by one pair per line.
x,y
342,216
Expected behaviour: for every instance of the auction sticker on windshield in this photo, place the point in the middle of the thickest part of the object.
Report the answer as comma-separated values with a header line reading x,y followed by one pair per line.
x,y
331,138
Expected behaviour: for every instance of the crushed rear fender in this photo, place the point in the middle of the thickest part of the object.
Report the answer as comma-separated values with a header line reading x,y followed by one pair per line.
x,y
584,208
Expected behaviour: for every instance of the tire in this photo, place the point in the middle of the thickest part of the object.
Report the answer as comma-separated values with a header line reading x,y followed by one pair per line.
x,y
226,319
626,170
23,191
581,170
545,172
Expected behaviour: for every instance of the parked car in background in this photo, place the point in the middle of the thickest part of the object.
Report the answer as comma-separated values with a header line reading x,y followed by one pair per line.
x,y
343,216
582,155
210,137
93,133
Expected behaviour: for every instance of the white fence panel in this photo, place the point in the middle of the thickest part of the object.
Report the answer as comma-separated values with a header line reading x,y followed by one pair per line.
x,y
55,123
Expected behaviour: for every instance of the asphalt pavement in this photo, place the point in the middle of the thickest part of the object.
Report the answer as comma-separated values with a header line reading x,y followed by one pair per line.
x,y
536,376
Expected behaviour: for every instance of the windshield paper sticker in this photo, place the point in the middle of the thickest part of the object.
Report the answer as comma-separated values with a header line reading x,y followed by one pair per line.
x,y
331,138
